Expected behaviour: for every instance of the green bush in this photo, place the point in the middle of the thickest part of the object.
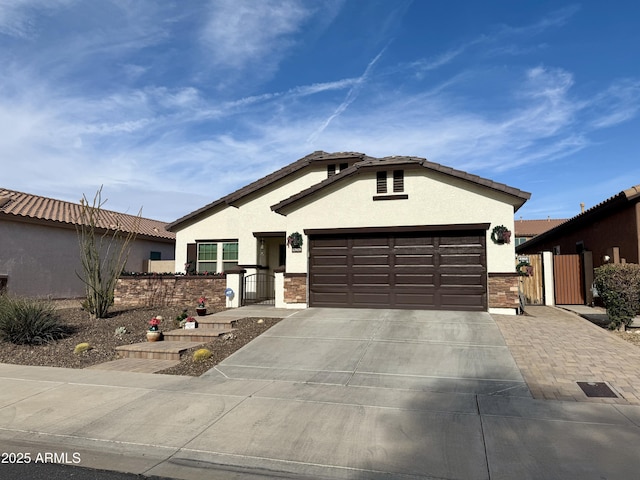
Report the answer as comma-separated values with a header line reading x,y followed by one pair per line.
x,y
619,287
29,321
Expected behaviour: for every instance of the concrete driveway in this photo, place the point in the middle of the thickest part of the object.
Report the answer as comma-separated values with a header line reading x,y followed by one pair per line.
x,y
333,394
455,352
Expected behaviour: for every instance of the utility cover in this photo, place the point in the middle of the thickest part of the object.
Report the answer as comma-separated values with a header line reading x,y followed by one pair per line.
x,y
596,389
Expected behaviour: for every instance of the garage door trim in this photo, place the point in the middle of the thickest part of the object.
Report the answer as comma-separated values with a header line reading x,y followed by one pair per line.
x,y
403,229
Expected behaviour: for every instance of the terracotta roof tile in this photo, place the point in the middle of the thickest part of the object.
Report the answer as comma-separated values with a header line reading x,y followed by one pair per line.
x,y
25,206
531,228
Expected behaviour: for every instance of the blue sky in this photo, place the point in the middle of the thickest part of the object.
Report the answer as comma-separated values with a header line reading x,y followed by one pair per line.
x,y
171,105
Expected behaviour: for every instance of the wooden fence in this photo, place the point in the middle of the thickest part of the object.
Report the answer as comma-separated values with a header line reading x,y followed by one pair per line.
x,y
531,286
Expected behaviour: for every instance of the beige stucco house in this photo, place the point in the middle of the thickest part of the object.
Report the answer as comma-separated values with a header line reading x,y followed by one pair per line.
x,y
39,248
394,232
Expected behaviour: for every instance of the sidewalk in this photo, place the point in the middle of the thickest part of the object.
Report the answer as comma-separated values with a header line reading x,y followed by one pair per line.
x,y
216,427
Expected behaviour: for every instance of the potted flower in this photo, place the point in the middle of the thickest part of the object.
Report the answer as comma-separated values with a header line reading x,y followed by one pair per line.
x,y
201,309
189,323
154,334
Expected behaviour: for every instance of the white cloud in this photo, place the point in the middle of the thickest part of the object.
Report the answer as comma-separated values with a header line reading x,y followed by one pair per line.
x,y
619,103
238,34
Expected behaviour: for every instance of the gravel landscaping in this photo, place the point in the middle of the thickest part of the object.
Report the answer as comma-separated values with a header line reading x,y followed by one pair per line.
x,y
100,334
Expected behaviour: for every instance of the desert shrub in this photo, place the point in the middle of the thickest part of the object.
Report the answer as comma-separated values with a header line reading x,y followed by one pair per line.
x,y
619,287
29,321
201,354
82,347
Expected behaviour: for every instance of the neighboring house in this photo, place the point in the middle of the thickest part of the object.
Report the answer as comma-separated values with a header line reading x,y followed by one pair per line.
x,y
397,232
527,229
39,247
610,230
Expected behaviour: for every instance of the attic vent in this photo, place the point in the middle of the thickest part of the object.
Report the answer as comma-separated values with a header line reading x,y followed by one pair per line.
x,y
4,200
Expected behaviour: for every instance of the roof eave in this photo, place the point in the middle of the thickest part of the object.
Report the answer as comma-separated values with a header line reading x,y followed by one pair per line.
x,y
602,208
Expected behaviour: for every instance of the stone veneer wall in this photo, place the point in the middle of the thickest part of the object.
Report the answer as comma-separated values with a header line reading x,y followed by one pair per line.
x,y
170,291
295,288
503,290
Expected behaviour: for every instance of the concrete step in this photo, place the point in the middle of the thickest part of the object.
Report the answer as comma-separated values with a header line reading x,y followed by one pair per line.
x,y
156,350
138,365
210,322
202,335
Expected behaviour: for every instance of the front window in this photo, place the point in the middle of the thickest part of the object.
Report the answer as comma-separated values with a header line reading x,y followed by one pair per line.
x,y
229,256
207,257
215,257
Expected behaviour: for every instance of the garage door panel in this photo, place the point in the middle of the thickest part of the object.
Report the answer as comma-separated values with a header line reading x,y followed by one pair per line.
x,y
370,260
419,270
416,279
454,301
414,300
328,279
414,260
461,259
371,299
457,240
463,279
411,240
369,241
330,241
327,260
331,299
376,279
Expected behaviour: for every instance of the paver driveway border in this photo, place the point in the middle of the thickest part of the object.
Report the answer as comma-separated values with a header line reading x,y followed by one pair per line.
x,y
555,348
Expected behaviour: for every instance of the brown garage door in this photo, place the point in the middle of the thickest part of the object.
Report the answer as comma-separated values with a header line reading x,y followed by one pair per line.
x,y
419,270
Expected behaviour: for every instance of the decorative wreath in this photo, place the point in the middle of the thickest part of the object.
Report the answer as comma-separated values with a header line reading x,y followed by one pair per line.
x,y
501,234
294,240
524,269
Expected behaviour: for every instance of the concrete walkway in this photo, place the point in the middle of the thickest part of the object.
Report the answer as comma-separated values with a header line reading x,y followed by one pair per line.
x,y
322,414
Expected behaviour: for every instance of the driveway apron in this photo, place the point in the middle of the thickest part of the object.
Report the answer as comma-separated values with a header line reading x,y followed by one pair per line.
x,y
455,352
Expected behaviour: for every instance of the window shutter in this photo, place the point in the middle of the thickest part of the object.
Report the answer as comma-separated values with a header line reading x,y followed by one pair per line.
x,y
331,170
398,180
381,182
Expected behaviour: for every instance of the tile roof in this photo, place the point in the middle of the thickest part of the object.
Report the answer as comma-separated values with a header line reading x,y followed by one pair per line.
x,y
316,157
375,163
531,228
27,207
355,160
614,203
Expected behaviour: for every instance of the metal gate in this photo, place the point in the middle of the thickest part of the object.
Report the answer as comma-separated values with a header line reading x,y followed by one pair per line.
x,y
259,288
567,277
